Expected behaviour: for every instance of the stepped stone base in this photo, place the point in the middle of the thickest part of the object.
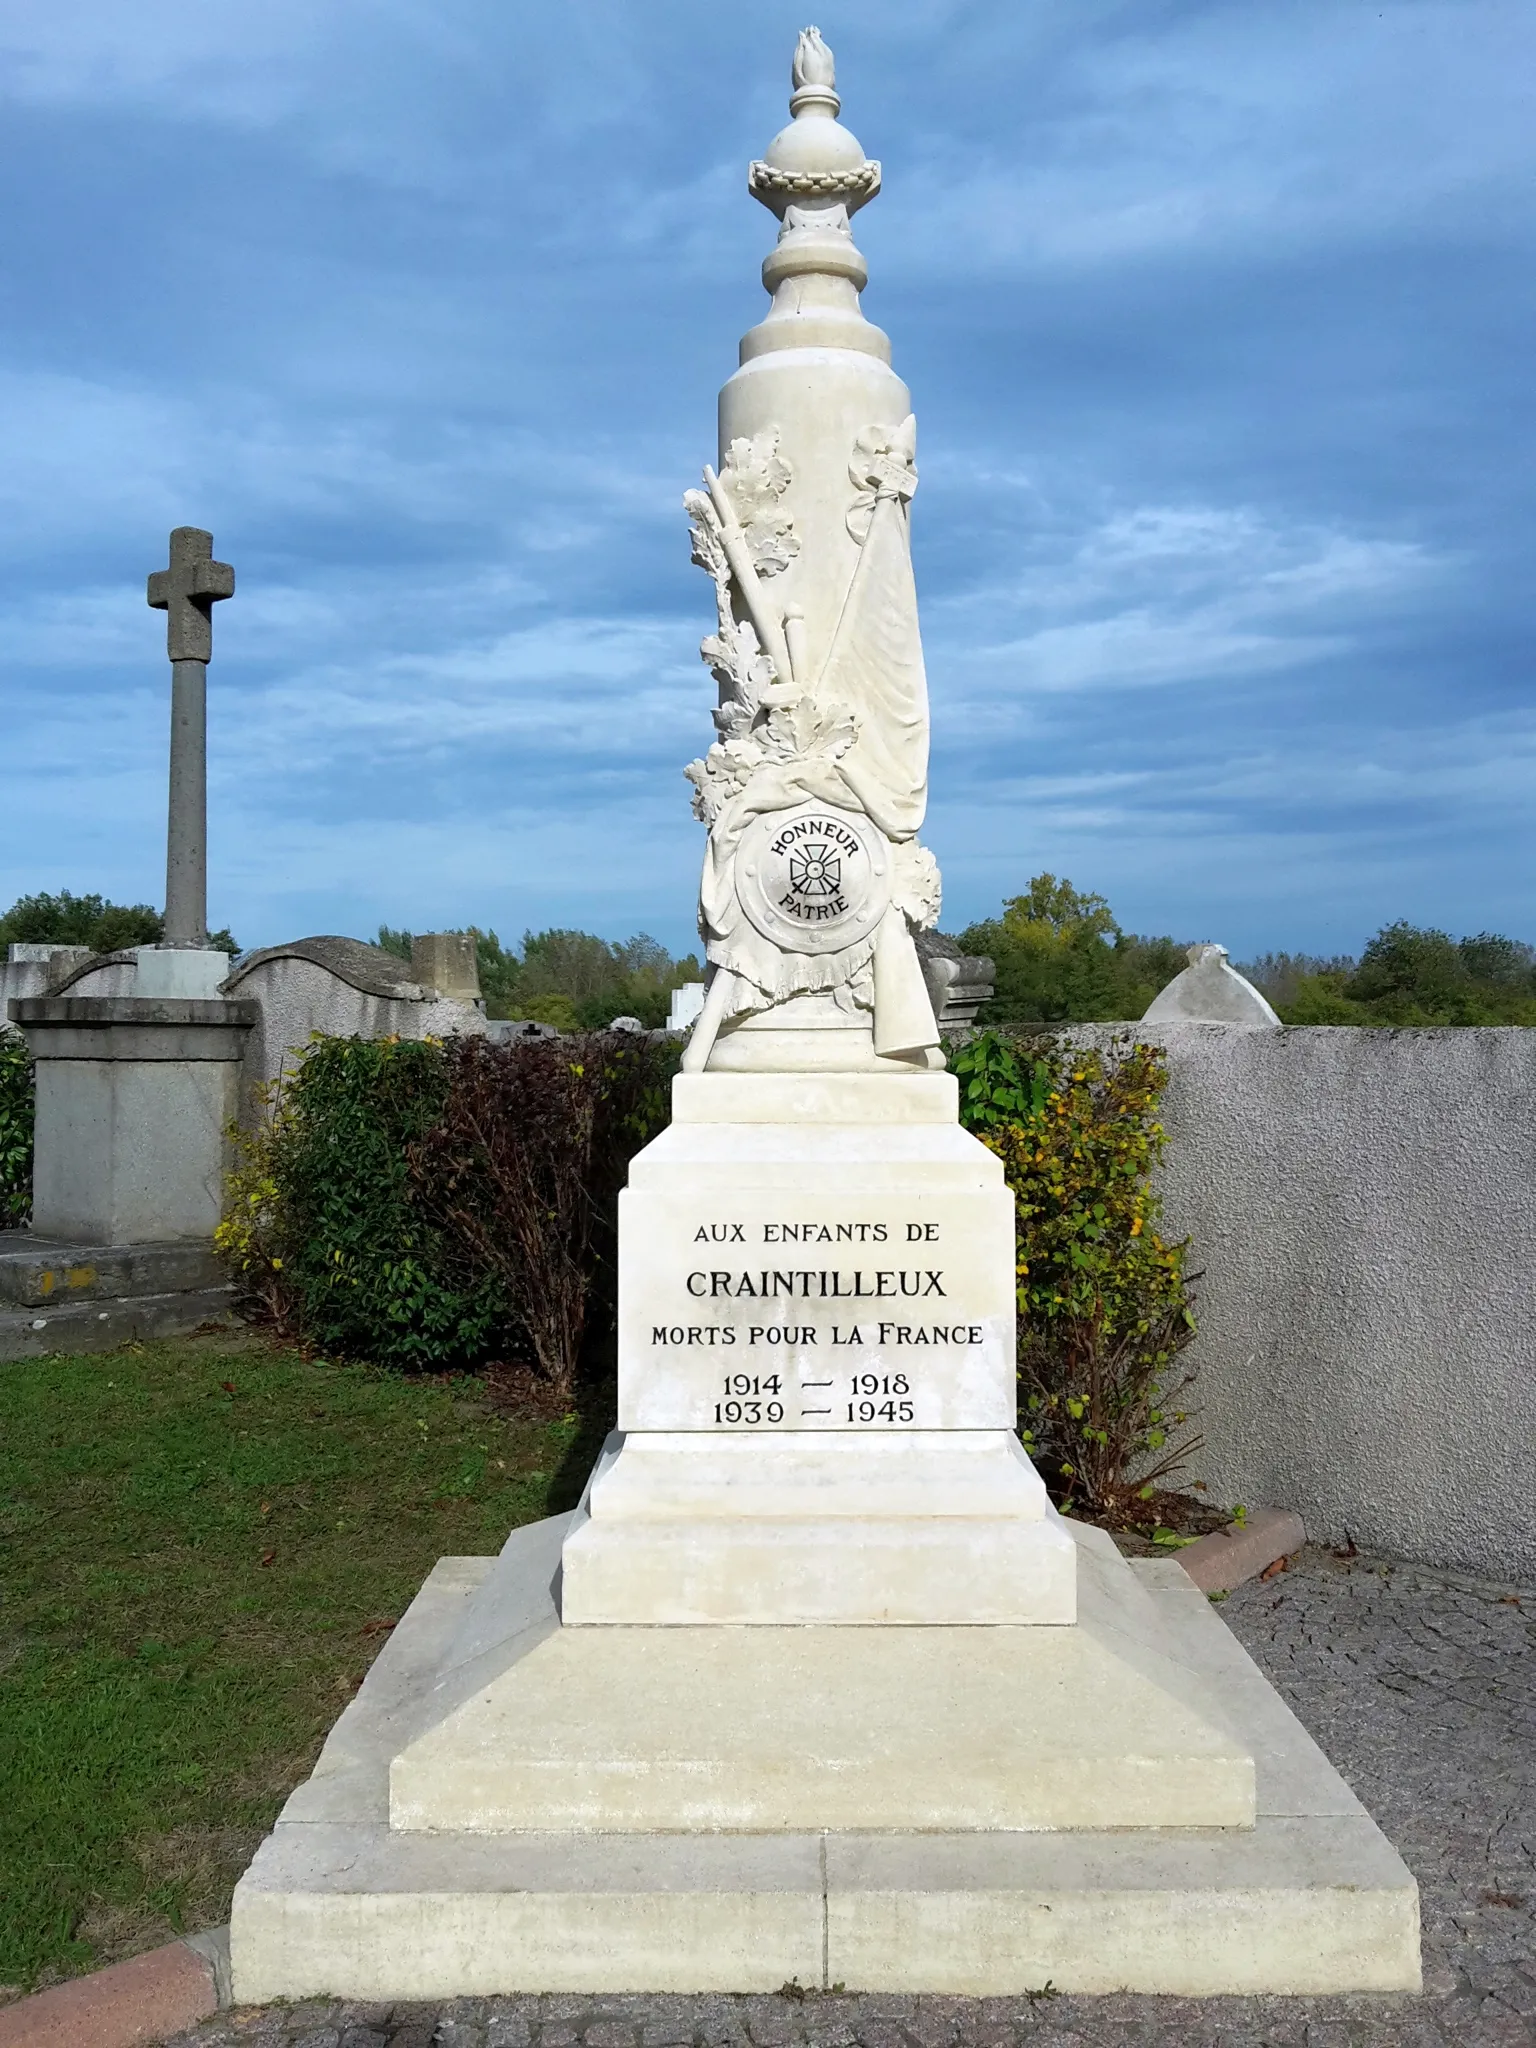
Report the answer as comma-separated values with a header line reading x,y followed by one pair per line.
x,y
810,1527
1308,1898
532,1725
61,1296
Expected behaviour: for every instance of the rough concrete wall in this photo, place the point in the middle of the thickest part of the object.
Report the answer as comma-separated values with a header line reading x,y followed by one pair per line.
x,y
1363,1203
114,977
296,997
20,978
132,1151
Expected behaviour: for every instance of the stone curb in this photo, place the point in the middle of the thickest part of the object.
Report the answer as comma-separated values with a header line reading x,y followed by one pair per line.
x,y
1227,1557
101,1325
127,2005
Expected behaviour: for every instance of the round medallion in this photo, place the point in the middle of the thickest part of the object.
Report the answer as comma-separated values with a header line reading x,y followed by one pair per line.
x,y
814,879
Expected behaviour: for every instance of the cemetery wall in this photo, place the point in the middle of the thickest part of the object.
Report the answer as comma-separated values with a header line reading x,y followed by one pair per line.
x,y
1363,1203
28,970
341,987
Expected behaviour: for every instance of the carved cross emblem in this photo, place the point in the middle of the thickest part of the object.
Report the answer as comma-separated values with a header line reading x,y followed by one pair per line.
x,y
187,592
815,870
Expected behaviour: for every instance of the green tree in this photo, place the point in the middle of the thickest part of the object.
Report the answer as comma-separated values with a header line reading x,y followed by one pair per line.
x,y
94,921
69,920
1061,957
1498,963
1408,975
1052,911
571,979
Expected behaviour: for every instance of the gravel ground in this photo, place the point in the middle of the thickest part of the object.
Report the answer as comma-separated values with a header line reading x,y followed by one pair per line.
x,y
1421,1688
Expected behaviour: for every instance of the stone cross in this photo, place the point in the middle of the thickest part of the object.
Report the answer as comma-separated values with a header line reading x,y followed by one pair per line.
x,y
187,592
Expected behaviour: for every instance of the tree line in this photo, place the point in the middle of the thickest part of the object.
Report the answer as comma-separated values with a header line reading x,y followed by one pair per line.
x,y
1062,957
572,980
68,920
1060,954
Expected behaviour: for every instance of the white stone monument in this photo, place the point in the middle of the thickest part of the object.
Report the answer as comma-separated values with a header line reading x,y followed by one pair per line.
x,y
815,1684
1211,991
817,1384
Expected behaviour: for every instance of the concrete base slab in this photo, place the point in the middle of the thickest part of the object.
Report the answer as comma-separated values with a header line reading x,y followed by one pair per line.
x,y
103,1325
44,1273
758,1728
58,1294
1310,1899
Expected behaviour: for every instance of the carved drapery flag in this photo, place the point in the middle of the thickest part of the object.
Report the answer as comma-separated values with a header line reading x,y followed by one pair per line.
x,y
818,652
876,663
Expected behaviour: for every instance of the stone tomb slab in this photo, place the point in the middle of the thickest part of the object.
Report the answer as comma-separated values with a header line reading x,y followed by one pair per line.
x,y
1310,1898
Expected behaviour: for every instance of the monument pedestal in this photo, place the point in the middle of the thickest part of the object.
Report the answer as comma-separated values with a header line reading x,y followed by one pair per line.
x,y
509,1805
752,1729
933,1527
815,1683
816,1391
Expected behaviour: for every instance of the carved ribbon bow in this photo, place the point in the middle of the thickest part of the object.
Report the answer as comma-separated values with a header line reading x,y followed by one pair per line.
x,y
883,466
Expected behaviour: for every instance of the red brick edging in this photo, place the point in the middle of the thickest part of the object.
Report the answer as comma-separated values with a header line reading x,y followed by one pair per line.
x,y
123,2006
1227,1557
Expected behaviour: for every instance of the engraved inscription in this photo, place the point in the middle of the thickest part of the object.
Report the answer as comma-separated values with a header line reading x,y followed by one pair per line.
x,y
814,879
879,1314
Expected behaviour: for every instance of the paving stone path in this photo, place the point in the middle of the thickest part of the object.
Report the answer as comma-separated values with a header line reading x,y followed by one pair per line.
x,y
1421,1690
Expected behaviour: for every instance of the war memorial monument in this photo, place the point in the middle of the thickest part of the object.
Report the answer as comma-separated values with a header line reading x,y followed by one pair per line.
x,y
815,1684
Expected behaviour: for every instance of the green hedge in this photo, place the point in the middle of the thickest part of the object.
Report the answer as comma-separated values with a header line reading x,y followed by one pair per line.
x,y
445,1205
442,1205
17,1101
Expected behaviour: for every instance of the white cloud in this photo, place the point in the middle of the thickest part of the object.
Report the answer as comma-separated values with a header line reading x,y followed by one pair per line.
x,y
232,61
448,361
595,688
1311,845
1164,594
1234,129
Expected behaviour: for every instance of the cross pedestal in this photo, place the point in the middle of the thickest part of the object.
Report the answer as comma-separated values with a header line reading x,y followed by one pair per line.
x,y
136,1092
186,592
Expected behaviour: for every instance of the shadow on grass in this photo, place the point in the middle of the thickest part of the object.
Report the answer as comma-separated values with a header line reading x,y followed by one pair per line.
x,y
598,1414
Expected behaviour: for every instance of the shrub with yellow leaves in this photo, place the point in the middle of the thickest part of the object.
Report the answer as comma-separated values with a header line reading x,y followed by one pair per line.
x,y
1104,1303
247,1236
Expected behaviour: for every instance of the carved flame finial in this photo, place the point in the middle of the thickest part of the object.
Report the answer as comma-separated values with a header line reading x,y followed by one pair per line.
x,y
814,162
813,61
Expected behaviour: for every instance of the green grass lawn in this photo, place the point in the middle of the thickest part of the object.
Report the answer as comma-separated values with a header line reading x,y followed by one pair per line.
x,y
204,1545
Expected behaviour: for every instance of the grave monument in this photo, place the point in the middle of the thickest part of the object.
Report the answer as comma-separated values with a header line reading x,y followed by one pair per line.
x,y
184,964
136,1088
815,1684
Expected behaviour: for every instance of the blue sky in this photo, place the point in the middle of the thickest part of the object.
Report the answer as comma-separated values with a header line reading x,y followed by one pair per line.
x,y
1218,321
